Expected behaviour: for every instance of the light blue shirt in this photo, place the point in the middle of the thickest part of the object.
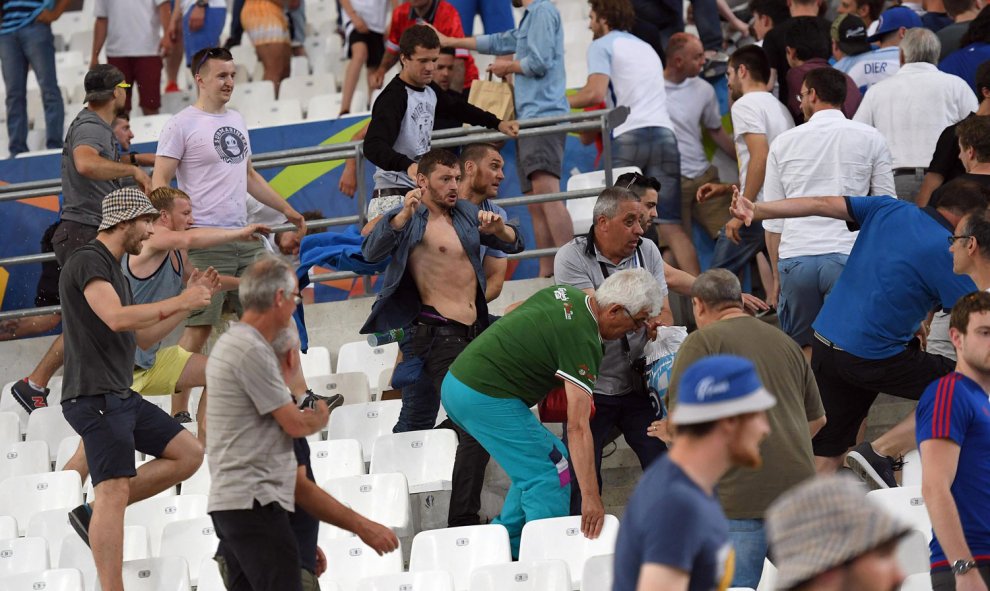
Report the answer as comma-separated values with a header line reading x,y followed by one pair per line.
x,y
866,69
538,43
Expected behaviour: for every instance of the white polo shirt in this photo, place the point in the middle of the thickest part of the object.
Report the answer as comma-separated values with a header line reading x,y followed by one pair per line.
x,y
912,108
828,155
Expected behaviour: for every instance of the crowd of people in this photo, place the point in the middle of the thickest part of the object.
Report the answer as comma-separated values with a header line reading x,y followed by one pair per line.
x,y
863,151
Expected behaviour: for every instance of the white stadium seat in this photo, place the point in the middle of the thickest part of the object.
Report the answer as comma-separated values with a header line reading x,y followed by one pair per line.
x,y
199,482
323,106
192,539
425,457
460,550
436,580
10,428
286,111
542,575
66,448
911,473
905,503
164,573
148,128
379,497
209,576
917,582
24,496
48,425
316,362
303,88
913,554
22,555
353,385
58,579
360,356
598,573
261,92
561,537
364,422
23,458
349,560
336,458
8,527
53,526
156,513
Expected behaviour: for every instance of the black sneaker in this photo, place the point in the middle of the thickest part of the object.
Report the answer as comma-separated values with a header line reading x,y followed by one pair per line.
x,y
332,401
876,470
28,397
183,416
79,520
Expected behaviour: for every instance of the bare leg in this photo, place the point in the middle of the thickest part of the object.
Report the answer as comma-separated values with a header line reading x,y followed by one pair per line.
x,y
173,61
106,532
682,248
193,376
763,266
558,221
180,460
78,462
359,56
275,59
825,465
807,352
898,440
193,339
49,364
541,232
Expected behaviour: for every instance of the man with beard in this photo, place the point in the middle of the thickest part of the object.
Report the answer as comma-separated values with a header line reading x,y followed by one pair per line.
x,y
90,171
102,328
971,251
720,420
826,537
725,329
435,282
482,166
953,433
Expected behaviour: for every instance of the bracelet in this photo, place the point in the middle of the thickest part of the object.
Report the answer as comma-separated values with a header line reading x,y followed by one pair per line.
x,y
133,158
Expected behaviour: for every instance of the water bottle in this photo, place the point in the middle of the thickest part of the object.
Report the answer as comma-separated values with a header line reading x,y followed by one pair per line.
x,y
378,339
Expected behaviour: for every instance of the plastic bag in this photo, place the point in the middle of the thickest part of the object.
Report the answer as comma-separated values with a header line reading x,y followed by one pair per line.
x,y
660,354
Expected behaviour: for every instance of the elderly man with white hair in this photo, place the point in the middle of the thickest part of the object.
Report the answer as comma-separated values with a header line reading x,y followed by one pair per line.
x,y
555,336
912,107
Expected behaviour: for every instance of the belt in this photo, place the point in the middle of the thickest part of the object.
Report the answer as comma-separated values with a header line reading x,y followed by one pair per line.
x,y
390,192
909,170
450,330
827,342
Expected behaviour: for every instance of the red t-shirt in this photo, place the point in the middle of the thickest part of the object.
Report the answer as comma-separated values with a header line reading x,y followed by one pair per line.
x,y
445,18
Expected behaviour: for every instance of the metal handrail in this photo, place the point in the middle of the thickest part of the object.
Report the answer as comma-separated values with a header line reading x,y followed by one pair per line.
x,y
604,120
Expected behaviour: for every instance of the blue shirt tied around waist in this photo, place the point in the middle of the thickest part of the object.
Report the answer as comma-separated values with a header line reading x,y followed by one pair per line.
x,y
398,303
538,43
899,270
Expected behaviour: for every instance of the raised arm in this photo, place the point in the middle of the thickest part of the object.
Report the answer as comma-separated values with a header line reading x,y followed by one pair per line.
x,y
748,212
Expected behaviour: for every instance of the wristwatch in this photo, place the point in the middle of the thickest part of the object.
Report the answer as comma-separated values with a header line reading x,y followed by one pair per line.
x,y
961,567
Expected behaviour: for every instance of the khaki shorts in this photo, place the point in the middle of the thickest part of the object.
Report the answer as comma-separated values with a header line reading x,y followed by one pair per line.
x,y
228,259
161,378
711,214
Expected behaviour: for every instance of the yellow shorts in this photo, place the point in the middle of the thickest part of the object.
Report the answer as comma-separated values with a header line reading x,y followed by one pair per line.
x,y
161,378
265,22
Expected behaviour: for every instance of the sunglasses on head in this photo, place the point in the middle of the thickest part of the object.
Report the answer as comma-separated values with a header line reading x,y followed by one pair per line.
x,y
635,179
211,54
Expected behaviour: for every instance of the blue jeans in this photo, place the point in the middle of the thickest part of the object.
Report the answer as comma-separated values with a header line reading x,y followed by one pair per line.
x,y
34,46
654,151
749,540
804,284
732,256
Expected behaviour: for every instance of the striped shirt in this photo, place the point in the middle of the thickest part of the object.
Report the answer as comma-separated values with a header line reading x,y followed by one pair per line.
x,y
18,14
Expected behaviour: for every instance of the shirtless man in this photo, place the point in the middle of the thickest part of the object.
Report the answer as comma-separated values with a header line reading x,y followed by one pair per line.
x,y
434,238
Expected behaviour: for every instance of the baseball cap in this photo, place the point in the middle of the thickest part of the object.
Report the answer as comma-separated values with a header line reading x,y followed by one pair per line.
x,y
823,523
894,18
849,32
717,387
101,80
124,205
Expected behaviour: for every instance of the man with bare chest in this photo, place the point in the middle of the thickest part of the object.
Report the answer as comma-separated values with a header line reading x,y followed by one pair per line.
x,y
436,283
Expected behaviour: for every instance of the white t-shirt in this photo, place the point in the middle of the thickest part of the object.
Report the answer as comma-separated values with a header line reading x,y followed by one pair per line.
x,y
133,26
692,105
213,152
374,13
635,73
828,155
757,112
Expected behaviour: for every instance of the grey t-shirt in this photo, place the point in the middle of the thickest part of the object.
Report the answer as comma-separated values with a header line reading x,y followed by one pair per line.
x,y
949,36
573,266
251,457
83,197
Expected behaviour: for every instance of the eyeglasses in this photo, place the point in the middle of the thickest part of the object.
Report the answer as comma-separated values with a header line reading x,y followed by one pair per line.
x,y
213,53
800,96
952,239
123,85
637,322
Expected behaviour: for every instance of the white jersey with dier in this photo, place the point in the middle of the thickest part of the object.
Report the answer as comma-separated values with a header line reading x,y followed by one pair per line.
x,y
758,113
692,106
634,72
866,69
913,107
828,155
213,152
133,26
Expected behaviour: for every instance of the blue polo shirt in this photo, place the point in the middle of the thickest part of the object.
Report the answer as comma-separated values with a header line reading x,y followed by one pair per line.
x,y
956,408
899,270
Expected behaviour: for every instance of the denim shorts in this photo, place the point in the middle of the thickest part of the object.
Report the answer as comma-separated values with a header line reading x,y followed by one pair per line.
x,y
112,428
804,284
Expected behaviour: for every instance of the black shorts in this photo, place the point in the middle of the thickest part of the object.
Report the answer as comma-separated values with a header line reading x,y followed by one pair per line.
x,y
112,428
68,237
259,549
849,384
375,43
47,293
543,153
